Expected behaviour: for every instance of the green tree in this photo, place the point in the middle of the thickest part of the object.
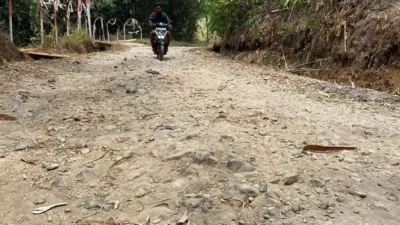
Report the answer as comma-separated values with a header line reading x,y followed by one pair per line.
x,y
226,16
184,13
22,28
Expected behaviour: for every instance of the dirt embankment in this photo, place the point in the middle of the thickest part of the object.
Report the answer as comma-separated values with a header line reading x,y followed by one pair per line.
x,y
346,41
8,51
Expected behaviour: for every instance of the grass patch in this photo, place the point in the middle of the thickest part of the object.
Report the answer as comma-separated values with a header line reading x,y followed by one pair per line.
x,y
76,43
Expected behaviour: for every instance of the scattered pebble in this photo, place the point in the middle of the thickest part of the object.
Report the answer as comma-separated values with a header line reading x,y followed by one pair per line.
x,y
324,205
226,195
395,162
240,166
356,210
357,193
57,182
393,198
67,210
131,90
340,199
62,139
98,204
267,217
318,183
286,209
205,157
349,160
140,193
248,190
296,208
177,156
291,179
50,166
196,187
85,151
25,143
263,187
258,202
86,176
193,202
40,201
153,72
157,221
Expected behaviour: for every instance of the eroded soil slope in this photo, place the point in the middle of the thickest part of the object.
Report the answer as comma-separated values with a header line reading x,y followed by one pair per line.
x,y
340,40
8,51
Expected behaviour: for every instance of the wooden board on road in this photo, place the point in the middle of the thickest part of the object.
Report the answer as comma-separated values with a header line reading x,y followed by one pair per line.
x,y
35,52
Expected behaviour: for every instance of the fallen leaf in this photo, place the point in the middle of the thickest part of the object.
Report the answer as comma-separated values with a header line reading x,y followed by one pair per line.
x,y
327,148
7,117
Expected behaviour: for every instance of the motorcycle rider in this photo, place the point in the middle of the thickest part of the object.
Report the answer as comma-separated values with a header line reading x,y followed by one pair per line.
x,y
158,16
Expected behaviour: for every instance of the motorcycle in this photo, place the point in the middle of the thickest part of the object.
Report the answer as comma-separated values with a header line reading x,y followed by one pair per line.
x,y
160,40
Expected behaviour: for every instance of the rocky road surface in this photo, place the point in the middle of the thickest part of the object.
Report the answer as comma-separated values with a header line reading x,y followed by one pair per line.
x,y
197,139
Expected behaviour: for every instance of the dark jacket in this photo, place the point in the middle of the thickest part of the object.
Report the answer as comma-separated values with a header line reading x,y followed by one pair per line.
x,y
159,18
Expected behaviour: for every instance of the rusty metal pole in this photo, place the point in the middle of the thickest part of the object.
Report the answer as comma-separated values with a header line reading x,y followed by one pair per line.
x,y
10,11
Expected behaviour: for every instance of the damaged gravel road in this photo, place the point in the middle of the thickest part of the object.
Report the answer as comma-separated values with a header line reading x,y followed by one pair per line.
x,y
197,139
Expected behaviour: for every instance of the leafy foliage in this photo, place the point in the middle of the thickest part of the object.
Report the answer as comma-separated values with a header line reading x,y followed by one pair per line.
x,y
223,16
226,16
184,13
21,19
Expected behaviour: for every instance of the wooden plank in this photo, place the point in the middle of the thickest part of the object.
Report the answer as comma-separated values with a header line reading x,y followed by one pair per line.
x,y
44,54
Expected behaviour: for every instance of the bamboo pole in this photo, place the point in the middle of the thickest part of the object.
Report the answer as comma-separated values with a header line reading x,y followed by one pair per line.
x,y
41,23
79,11
88,17
10,12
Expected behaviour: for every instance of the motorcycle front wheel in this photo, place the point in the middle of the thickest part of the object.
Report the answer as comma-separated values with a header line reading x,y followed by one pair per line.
x,y
160,52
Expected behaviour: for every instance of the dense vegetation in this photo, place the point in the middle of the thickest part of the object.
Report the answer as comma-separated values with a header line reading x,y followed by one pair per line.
x,y
223,16
184,14
227,16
